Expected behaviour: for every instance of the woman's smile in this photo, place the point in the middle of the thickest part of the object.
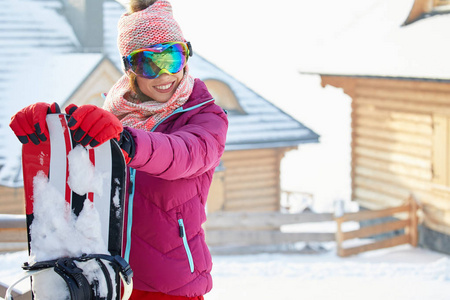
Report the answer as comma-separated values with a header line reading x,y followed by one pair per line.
x,y
164,88
160,89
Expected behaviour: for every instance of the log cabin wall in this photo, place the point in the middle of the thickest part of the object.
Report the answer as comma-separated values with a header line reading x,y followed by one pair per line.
x,y
251,181
12,200
400,144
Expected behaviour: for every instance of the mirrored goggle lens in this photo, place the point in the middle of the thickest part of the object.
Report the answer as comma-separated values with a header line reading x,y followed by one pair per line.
x,y
149,64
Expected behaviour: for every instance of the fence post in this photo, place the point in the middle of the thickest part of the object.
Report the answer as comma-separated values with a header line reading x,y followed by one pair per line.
x,y
339,236
338,216
413,224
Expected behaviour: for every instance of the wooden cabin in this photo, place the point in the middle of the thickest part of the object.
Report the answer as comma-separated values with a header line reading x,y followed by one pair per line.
x,y
400,117
259,135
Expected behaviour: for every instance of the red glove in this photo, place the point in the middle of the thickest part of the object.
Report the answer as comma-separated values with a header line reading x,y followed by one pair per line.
x,y
29,123
93,125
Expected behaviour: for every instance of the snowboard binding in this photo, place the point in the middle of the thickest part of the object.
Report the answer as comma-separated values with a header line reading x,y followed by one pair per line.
x,y
77,283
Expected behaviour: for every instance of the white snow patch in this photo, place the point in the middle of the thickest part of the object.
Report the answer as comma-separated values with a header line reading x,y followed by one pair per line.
x,y
83,177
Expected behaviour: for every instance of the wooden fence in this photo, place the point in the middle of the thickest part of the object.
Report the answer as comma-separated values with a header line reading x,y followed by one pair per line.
x,y
263,228
405,217
13,233
241,229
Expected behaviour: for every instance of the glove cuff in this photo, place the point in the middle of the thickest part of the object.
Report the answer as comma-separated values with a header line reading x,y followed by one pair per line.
x,y
126,143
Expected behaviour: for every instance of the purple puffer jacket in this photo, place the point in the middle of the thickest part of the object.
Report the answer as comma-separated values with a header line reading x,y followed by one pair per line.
x,y
174,167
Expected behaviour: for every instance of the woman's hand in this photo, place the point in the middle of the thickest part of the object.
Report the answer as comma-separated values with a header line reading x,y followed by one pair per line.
x,y
93,125
29,123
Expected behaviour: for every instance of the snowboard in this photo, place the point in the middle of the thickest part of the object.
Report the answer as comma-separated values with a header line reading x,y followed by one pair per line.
x,y
74,203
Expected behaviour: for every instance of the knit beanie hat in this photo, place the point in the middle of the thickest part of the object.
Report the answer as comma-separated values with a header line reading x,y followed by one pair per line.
x,y
151,26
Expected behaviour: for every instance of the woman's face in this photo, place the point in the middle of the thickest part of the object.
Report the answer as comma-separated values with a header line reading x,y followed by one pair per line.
x,y
162,88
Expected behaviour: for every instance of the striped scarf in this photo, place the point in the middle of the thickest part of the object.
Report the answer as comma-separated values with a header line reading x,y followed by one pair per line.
x,y
122,102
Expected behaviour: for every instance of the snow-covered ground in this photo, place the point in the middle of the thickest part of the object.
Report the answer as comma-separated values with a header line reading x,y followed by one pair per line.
x,y
393,274
399,273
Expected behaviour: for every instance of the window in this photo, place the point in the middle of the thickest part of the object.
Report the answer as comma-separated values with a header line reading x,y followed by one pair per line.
x,y
224,96
441,150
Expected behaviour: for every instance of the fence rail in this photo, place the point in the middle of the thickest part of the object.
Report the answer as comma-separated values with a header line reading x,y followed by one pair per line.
x,y
253,229
408,223
13,233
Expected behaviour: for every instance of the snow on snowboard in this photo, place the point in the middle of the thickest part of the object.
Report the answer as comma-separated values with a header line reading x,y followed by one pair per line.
x,y
74,201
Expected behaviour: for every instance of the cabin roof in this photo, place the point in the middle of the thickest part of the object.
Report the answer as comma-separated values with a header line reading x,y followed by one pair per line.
x,y
42,60
378,45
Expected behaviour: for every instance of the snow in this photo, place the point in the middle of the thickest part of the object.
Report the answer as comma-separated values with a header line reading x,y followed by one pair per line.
x,y
84,178
399,273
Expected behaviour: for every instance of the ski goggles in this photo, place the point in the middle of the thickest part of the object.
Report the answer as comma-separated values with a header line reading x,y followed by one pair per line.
x,y
158,59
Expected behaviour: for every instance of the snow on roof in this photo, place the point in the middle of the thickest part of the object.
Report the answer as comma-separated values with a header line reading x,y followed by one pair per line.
x,y
42,60
377,45
38,62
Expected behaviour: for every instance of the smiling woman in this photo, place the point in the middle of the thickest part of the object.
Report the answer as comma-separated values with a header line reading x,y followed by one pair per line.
x,y
179,134
172,140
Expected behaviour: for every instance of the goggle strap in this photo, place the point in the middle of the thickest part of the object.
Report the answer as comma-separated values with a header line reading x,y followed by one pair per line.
x,y
190,48
126,63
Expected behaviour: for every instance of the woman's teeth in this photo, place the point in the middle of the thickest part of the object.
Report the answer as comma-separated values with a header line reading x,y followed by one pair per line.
x,y
163,87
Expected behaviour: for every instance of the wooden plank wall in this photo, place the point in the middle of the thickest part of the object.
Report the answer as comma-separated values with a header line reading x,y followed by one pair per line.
x,y
12,200
393,147
252,180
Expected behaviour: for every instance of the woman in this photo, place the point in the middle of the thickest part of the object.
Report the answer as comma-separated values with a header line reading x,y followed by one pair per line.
x,y
172,135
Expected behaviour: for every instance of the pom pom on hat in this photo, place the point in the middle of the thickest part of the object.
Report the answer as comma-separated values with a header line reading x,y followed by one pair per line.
x,y
151,26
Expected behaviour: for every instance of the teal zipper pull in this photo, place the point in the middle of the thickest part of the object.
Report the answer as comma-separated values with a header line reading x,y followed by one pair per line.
x,y
130,214
186,245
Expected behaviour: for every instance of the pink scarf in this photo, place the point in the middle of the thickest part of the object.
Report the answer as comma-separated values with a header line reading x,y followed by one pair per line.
x,y
121,101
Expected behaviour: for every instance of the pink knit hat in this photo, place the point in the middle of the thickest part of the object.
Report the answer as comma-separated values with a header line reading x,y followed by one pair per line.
x,y
151,26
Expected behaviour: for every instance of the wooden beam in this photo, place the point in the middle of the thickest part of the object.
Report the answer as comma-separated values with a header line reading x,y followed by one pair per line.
x,y
391,242
13,235
420,8
229,220
375,229
373,214
264,237
413,230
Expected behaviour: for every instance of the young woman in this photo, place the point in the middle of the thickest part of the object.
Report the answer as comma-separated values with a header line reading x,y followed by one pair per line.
x,y
172,135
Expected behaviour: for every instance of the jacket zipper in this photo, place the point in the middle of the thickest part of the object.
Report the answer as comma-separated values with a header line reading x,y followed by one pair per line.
x,y
186,245
130,214
131,197
180,110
